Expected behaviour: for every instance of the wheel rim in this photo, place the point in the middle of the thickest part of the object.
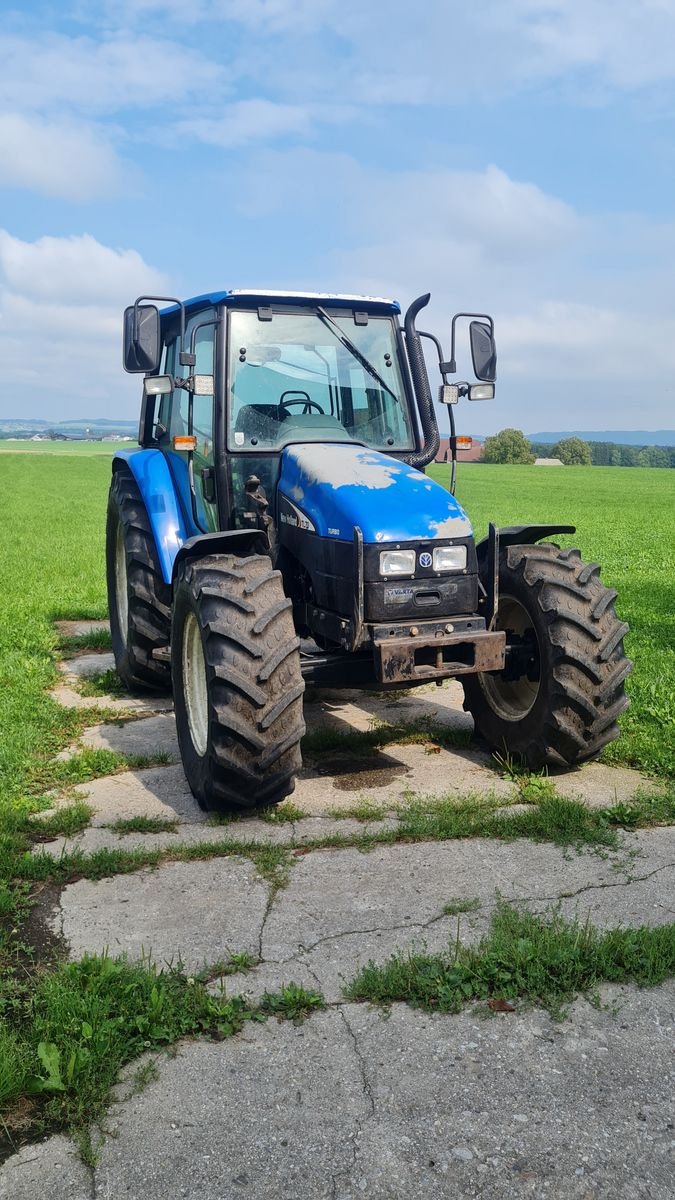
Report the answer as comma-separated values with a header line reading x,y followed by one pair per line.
x,y
512,699
121,593
194,684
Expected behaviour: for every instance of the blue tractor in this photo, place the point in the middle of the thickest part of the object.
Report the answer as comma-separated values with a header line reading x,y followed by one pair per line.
x,y
277,528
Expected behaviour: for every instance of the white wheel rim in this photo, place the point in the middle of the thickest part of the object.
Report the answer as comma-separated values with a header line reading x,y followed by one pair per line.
x,y
194,684
511,699
121,594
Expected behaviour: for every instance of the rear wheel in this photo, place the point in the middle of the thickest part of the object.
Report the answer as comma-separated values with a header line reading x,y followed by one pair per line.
x,y
237,682
139,601
559,698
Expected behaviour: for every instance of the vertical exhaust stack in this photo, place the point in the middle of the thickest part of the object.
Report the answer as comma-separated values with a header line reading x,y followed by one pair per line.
x,y
420,379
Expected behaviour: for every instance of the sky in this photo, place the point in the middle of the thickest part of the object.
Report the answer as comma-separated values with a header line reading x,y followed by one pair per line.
x,y
513,156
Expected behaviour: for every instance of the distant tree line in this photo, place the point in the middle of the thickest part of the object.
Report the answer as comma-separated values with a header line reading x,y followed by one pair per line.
x,y
612,454
511,446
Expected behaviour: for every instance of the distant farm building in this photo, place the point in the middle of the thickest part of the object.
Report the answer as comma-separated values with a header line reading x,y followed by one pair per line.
x,y
475,454
548,462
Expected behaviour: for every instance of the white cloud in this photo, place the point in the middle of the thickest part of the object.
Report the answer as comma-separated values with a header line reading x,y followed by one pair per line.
x,y
61,302
248,121
84,75
58,158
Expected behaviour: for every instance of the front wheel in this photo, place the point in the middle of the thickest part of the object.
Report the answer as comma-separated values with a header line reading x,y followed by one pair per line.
x,y
558,700
237,682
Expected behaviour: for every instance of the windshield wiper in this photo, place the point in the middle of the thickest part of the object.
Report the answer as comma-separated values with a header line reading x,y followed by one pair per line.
x,y
354,350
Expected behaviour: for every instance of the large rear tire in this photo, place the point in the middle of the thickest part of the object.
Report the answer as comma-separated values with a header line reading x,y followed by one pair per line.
x,y
238,684
560,704
139,601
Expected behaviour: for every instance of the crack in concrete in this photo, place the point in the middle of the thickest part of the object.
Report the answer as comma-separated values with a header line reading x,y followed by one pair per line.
x,y
367,1090
591,887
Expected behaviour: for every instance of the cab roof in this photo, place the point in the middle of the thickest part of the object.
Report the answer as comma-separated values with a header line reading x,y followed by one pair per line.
x,y
250,295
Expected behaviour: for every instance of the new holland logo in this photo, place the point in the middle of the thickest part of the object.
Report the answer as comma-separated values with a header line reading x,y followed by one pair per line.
x,y
425,559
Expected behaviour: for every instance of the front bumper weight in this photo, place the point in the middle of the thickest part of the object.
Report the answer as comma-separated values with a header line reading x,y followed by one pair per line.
x,y
414,659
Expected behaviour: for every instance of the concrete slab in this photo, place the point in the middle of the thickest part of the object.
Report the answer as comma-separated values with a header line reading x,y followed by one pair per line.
x,y
156,792
153,735
271,1114
132,706
195,912
352,1103
352,709
600,786
88,664
52,1169
338,781
343,908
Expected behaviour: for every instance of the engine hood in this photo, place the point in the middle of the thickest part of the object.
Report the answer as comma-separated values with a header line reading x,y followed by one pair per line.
x,y
330,489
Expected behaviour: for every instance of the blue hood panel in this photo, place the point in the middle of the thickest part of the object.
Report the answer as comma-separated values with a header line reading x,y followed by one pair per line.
x,y
338,487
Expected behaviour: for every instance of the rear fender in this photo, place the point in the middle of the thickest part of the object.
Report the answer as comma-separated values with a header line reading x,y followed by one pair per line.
x,y
151,472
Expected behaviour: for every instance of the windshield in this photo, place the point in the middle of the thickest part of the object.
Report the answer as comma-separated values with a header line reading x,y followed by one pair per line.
x,y
315,377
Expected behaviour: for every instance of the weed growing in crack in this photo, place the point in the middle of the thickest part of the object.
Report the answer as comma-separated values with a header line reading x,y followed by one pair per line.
x,y
102,683
143,825
543,960
95,640
647,807
364,809
283,813
67,821
455,907
291,1003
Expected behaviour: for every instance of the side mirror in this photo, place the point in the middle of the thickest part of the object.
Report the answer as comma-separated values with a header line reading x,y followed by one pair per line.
x,y
142,344
483,353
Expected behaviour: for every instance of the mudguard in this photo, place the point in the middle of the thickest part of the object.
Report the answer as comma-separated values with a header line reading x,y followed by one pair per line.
x,y
155,483
335,488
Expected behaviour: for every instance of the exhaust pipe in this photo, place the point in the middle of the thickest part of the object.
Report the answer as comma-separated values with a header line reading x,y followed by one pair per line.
x,y
420,379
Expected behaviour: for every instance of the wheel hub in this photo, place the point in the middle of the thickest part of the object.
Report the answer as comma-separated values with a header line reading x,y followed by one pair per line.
x,y
513,692
121,593
194,684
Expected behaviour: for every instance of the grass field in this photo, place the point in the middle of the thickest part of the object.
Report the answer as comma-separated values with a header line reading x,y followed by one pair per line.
x,y
105,449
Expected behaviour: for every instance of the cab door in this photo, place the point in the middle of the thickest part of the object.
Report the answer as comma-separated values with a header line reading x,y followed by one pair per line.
x,y
186,415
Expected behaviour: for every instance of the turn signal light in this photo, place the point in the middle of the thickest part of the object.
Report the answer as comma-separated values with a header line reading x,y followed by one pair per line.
x,y
184,443
463,443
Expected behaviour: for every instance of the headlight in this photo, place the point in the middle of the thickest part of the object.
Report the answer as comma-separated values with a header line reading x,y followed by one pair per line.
x,y
449,558
397,562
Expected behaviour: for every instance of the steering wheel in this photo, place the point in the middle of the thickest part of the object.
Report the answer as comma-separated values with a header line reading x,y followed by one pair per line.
x,y
303,398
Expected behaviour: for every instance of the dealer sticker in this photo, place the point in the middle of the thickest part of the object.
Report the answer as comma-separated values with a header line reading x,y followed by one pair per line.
x,y
398,595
